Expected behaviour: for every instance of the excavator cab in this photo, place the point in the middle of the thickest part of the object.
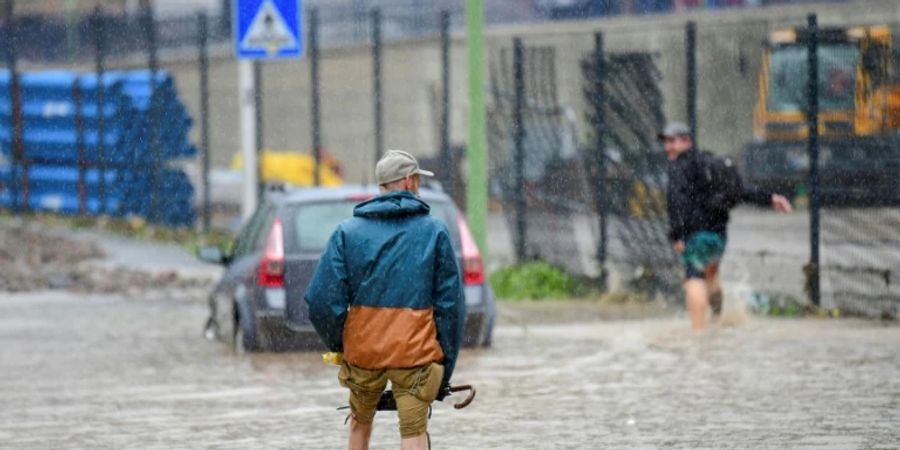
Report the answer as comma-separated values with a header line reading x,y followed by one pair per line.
x,y
853,63
859,115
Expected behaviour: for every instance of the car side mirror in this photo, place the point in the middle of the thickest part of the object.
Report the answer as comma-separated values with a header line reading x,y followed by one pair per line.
x,y
212,254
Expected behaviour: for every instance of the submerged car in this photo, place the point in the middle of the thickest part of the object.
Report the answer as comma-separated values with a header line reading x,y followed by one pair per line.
x,y
258,303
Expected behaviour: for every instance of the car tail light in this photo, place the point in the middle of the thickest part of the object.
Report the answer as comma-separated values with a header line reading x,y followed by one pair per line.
x,y
271,267
473,270
472,264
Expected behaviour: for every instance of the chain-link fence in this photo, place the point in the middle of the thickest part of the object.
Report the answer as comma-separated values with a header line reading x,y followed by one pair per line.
x,y
600,210
574,160
860,259
536,166
195,62
858,157
105,136
842,165
626,112
576,200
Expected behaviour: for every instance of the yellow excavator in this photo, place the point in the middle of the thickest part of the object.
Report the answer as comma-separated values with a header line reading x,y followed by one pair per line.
x,y
859,116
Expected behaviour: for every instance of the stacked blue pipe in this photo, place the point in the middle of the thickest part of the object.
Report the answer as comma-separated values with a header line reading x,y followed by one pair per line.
x,y
59,169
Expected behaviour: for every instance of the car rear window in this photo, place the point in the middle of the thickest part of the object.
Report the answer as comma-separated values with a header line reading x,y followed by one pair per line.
x,y
313,223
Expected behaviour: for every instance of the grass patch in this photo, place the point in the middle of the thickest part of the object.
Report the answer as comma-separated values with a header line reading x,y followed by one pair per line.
x,y
534,281
787,306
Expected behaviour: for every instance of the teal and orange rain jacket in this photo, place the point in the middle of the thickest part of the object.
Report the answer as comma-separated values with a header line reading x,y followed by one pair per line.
x,y
387,291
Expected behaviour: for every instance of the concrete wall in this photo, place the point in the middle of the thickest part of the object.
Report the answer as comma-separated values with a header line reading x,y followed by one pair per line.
x,y
729,49
411,91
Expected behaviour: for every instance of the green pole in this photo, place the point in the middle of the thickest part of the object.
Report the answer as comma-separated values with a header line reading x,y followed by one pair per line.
x,y
477,189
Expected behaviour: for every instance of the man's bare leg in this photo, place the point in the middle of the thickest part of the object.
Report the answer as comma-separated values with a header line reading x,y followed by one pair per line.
x,y
359,435
696,298
714,290
419,442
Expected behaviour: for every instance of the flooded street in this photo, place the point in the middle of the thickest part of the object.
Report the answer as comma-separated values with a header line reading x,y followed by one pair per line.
x,y
112,372
175,170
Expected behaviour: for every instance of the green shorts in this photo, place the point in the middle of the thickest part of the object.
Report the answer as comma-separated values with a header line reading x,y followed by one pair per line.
x,y
702,250
414,390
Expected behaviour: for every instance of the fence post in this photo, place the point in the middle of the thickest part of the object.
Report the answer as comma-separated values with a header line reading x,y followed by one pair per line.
x,y
153,113
314,89
519,147
226,17
376,82
812,119
99,35
447,160
17,151
79,145
691,56
599,126
260,141
203,58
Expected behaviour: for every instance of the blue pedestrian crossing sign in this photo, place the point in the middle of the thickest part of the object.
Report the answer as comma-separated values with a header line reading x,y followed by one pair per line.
x,y
267,29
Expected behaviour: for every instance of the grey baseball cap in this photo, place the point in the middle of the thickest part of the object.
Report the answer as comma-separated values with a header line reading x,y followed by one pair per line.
x,y
674,129
397,165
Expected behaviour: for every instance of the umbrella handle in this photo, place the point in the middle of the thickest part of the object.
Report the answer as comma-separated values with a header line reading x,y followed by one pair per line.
x,y
468,399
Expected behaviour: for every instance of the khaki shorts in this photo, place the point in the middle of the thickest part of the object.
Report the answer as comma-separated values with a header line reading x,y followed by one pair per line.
x,y
414,390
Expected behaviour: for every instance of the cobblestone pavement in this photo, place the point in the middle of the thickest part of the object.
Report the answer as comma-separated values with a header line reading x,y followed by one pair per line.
x,y
114,372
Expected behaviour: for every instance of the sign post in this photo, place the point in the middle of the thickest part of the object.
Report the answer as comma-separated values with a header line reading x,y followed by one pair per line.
x,y
247,103
263,29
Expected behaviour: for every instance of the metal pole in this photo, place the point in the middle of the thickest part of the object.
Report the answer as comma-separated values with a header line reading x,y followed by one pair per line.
x,y
446,158
225,18
314,89
519,147
258,117
154,117
812,118
477,195
691,56
248,136
15,98
100,97
600,151
79,145
376,82
203,58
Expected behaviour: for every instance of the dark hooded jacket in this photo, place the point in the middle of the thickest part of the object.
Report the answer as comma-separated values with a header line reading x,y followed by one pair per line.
x,y
387,291
688,198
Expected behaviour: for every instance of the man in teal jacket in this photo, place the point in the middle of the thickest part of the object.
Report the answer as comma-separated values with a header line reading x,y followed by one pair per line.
x,y
387,293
